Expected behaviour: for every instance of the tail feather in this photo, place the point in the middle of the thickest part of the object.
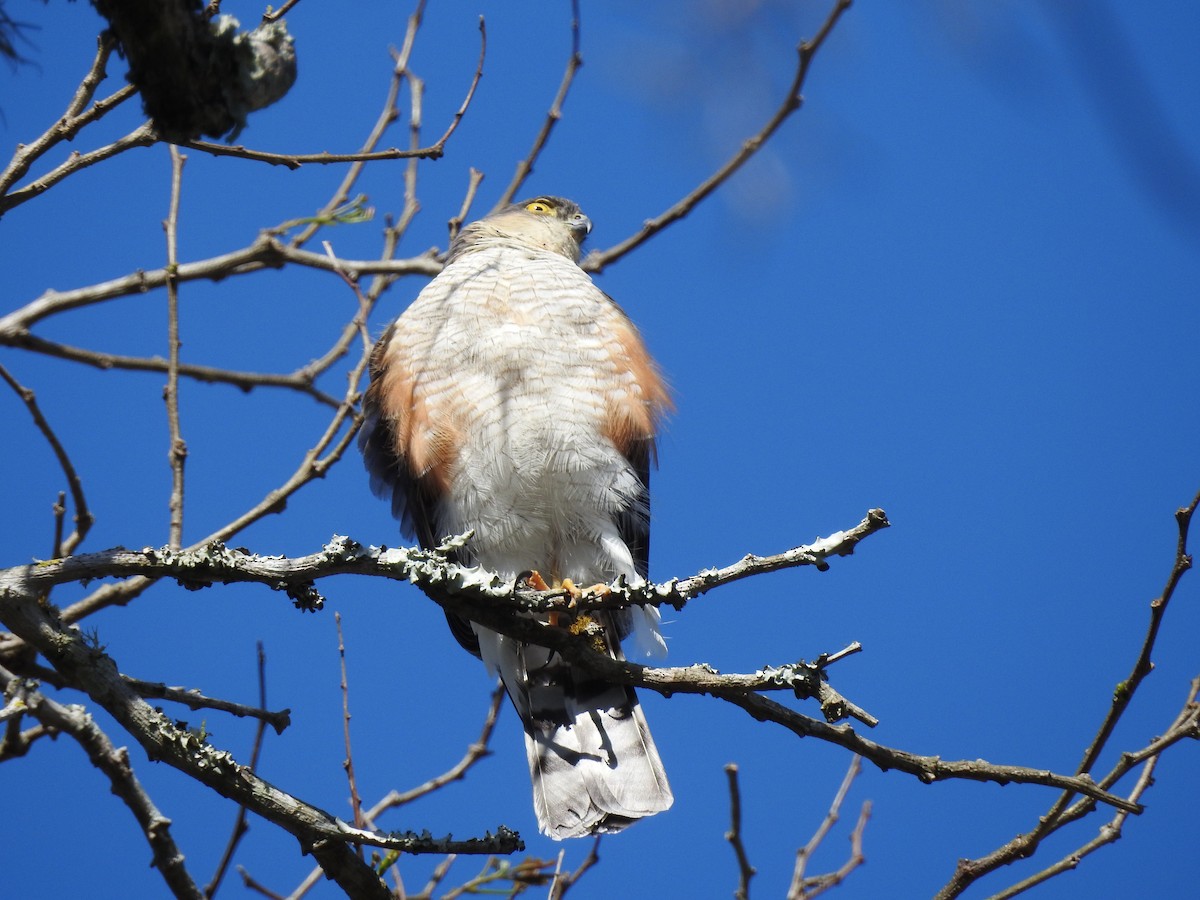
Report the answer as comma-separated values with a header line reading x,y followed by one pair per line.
x,y
593,763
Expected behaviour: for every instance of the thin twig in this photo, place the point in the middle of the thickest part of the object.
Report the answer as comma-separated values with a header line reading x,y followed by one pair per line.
x,y
525,166
416,89
969,871
734,835
60,513
456,223
1187,724
387,116
598,259
274,15
142,136
83,516
193,699
435,150
440,871
267,252
114,763
475,752
296,160
240,824
1142,666
250,884
300,381
853,861
69,125
348,765
803,888
177,454
563,882
804,854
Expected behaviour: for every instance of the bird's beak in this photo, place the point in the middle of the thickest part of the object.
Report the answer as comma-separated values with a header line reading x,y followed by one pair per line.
x,y
581,227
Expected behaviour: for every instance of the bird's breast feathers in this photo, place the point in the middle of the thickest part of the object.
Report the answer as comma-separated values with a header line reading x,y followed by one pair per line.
x,y
521,387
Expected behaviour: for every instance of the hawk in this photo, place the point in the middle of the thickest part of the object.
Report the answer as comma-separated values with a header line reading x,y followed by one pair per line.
x,y
515,400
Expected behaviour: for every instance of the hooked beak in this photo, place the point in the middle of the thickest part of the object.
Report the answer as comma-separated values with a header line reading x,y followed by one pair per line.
x,y
581,226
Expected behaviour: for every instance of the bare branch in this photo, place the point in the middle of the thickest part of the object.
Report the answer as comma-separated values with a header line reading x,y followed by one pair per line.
x,y
250,884
330,839
240,826
1187,724
387,116
804,888
564,882
969,871
462,109
448,582
598,259
265,253
114,763
475,752
393,799
177,455
69,125
274,15
1142,666
142,136
83,516
15,742
456,223
481,597
295,160
300,381
440,871
734,835
348,765
525,166
193,699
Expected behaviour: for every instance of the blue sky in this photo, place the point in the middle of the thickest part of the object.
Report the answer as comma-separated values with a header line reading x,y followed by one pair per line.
x,y
960,285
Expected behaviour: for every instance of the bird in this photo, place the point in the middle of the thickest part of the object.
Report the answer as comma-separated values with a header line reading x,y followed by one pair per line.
x,y
515,400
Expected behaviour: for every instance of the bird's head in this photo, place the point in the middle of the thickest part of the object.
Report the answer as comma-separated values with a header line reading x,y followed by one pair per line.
x,y
545,223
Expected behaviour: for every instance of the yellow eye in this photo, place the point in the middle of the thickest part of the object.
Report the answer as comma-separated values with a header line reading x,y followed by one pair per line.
x,y
539,206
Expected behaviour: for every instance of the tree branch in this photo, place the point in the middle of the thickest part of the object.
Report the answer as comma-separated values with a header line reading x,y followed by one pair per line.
x,y
435,150
805,888
73,120
1024,845
328,838
597,260
114,763
177,453
142,136
267,252
193,699
525,166
83,516
482,597
734,835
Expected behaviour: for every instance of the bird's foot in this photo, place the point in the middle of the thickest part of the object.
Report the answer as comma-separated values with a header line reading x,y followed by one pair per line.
x,y
600,589
535,580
